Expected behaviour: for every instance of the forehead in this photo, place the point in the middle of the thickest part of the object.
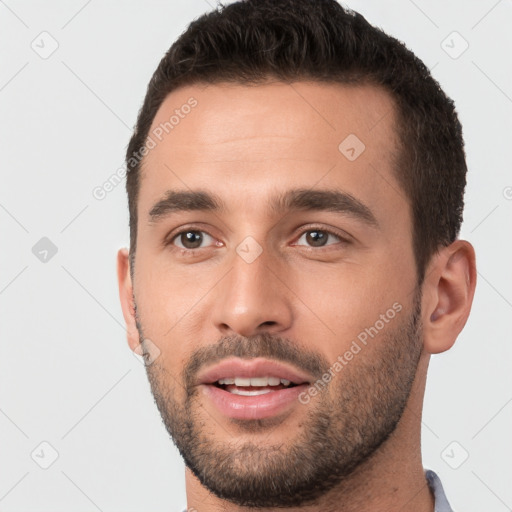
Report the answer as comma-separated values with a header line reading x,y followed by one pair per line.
x,y
247,141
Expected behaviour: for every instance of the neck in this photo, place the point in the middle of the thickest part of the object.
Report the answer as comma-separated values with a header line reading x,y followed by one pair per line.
x,y
392,479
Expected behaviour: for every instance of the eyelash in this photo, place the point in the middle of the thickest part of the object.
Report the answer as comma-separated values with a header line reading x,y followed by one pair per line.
x,y
343,240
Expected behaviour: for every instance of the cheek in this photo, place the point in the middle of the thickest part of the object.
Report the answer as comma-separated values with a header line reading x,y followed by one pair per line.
x,y
172,307
167,293
342,301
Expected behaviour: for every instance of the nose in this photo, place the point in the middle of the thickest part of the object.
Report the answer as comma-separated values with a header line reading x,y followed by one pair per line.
x,y
253,297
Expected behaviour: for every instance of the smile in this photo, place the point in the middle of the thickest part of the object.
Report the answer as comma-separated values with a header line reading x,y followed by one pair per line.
x,y
252,389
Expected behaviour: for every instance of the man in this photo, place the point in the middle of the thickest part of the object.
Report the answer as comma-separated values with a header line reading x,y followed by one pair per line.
x,y
295,189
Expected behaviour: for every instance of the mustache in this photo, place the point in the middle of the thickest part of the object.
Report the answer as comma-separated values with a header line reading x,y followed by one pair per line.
x,y
261,345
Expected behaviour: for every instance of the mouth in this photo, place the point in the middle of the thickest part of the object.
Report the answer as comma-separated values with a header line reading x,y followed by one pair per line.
x,y
254,388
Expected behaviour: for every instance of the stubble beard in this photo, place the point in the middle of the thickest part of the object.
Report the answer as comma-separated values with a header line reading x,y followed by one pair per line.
x,y
342,427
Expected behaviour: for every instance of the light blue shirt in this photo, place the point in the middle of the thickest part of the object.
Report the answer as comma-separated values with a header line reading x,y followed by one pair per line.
x,y
434,482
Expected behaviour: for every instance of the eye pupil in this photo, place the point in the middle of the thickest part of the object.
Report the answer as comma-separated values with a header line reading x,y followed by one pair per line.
x,y
193,237
316,238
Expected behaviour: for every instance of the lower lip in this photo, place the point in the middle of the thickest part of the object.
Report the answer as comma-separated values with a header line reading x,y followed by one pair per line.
x,y
253,407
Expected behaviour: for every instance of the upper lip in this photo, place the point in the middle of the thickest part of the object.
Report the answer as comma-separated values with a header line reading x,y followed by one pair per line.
x,y
257,367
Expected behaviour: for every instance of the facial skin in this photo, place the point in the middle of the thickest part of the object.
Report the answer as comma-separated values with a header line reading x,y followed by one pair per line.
x,y
302,301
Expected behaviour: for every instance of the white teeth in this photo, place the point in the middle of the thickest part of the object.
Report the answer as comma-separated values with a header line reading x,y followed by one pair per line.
x,y
226,381
254,381
251,392
239,381
259,381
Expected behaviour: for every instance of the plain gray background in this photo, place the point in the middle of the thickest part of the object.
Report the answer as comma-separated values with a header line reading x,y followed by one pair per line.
x,y
67,376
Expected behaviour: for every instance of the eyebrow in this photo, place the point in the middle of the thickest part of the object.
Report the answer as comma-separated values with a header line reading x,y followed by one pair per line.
x,y
291,200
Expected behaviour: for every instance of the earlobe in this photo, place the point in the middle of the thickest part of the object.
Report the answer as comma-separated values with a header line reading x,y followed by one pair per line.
x,y
448,293
126,297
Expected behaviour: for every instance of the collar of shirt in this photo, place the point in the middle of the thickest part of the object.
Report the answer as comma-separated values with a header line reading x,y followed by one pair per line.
x,y
434,482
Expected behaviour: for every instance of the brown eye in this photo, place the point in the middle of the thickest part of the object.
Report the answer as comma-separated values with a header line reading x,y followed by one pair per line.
x,y
318,237
190,239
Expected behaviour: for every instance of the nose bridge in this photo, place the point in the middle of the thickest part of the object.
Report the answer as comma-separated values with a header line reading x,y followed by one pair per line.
x,y
252,270
251,297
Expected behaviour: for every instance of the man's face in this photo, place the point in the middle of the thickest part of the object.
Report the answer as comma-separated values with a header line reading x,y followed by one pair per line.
x,y
297,283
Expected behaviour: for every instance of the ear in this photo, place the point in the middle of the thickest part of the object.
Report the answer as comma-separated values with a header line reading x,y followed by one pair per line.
x,y
448,292
126,296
